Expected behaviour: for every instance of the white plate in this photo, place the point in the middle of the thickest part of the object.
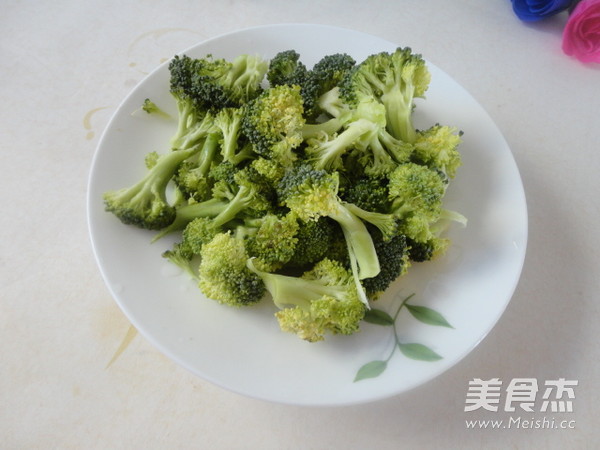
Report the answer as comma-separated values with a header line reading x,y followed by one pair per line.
x,y
244,350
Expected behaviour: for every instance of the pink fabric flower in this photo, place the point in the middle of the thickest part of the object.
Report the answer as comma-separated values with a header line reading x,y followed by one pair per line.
x,y
581,36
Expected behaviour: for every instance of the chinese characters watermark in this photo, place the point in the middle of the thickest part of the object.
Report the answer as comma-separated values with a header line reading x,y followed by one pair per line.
x,y
557,396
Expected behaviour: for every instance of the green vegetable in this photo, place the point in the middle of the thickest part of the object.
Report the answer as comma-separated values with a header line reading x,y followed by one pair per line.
x,y
322,300
394,79
310,184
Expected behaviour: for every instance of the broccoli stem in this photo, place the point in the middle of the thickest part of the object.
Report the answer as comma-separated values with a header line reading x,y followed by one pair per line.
x,y
295,291
327,153
156,179
185,214
238,203
134,205
329,127
386,223
360,243
398,112
208,152
185,114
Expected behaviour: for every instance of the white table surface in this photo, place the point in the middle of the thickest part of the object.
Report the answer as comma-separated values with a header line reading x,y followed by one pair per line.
x,y
64,68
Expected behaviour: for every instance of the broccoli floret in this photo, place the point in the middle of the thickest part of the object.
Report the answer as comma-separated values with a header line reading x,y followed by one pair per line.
x,y
386,223
315,238
215,83
193,121
229,121
325,76
271,170
313,193
223,274
364,135
324,300
271,239
393,257
437,147
416,193
246,198
192,175
285,68
235,192
273,123
395,79
416,189
426,242
184,214
367,192
427,250
145,203
152,108
182,256
151,159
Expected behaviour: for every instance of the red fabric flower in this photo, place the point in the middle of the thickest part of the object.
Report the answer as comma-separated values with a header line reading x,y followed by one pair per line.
x,y
581,36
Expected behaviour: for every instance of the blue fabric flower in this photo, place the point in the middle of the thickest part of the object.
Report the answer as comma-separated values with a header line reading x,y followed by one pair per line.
x,y
532,10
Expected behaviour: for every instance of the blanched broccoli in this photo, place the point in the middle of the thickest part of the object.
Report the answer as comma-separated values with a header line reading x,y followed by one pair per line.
x,y
273,123
145,204
324,77
192,177
285,68
193,121
311,184
393,256
216,83
315,239
364,136
233,149
417,193
416,189
271,239
437,147
311,194
149,107
181,256
323,300
223,274
367,192
235,192
395,79
428,249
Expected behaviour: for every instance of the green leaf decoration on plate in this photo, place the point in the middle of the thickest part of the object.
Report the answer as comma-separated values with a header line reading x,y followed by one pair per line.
x,y
371,370
419,352
412,350
378,317
428,315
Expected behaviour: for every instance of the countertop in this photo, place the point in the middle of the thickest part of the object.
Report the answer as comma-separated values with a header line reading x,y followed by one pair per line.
x,y
75,373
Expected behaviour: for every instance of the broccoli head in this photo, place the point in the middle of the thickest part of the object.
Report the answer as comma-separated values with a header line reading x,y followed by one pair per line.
x,y
323,300
271,239
285,68
364,136
145,204
393,256
437,147
315,238
311,194
216,83
395,79
416,189
223,274
273,123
